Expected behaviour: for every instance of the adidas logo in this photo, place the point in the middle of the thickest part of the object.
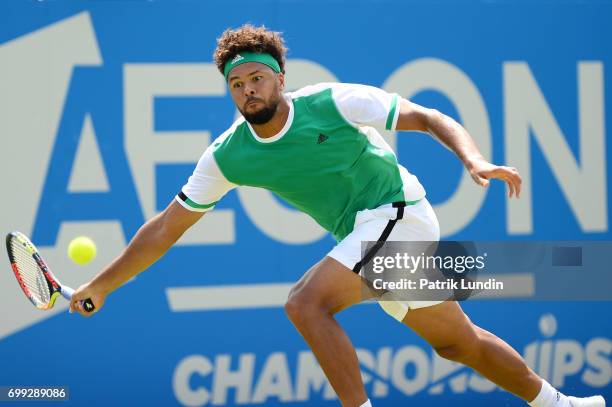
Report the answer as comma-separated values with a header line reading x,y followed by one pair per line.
x,y
237,58
322,138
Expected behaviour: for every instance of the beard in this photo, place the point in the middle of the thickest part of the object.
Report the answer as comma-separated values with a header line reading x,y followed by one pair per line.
x,y
263,115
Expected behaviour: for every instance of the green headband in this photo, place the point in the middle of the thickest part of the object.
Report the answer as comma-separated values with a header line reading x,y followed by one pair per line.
x,y
244,57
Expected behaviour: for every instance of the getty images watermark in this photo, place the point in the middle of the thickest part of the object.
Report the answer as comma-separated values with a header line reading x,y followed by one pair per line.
x,y
408,263
460,270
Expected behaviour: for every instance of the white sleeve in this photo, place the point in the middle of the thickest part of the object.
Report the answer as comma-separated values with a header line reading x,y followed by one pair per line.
x,y
206,186
366,105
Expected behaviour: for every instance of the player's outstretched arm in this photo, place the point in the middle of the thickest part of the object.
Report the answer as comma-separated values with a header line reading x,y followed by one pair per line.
x,y
413,117
151,241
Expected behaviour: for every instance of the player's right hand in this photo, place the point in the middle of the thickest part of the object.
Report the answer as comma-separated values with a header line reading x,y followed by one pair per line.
x,y
89,290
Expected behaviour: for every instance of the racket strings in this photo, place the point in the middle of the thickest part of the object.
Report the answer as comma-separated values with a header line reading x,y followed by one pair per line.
x,y
31,274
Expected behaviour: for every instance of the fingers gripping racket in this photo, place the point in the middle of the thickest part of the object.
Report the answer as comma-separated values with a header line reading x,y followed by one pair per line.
x,y
34,276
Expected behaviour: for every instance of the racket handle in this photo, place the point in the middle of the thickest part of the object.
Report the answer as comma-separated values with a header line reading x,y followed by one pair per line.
x,y
88,305
68,292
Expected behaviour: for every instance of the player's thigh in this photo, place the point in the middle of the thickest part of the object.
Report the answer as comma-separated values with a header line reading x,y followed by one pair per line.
x,y
331,286
441,325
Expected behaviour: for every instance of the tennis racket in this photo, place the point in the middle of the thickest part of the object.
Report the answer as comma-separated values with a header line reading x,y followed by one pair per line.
x,y
34,276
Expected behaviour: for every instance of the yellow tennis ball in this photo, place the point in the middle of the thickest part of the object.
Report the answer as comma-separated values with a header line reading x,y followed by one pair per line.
x,y
82,250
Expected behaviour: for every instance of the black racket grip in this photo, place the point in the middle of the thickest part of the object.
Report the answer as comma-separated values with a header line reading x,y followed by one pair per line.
x,y
88,306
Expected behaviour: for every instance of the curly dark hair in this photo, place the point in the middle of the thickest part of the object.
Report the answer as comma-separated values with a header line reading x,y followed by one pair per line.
x,y
252,39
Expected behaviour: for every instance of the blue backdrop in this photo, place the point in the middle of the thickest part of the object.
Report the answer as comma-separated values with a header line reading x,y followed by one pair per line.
x,y
106,106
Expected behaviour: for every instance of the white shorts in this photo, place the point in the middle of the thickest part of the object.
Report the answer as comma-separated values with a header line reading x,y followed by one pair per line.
x,y
419,223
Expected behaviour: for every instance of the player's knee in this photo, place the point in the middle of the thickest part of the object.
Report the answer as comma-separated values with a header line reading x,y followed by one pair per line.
x,y
465,350
455,352
292,309
299,305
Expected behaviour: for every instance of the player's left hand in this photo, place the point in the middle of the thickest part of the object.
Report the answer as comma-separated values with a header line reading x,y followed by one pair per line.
x,y
483,171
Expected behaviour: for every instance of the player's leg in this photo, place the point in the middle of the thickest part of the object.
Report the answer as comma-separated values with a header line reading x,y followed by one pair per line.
x,y
327,288
451,333
453,336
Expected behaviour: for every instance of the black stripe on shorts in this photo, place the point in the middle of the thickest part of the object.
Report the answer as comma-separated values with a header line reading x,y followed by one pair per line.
x,y
382,239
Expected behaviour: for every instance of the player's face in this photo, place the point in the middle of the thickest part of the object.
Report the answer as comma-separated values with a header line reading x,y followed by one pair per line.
x,y
256,90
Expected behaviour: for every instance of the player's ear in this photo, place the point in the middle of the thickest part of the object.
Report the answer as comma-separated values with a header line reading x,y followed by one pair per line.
x,y
281,81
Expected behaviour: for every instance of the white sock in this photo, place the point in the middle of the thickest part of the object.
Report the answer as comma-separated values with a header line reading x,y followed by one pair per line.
x,y
549,397
366,404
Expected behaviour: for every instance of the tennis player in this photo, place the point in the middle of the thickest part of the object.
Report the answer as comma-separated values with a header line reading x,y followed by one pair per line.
x,y
311,148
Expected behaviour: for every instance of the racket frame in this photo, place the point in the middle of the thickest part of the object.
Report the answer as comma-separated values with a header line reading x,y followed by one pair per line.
x,y
55,287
